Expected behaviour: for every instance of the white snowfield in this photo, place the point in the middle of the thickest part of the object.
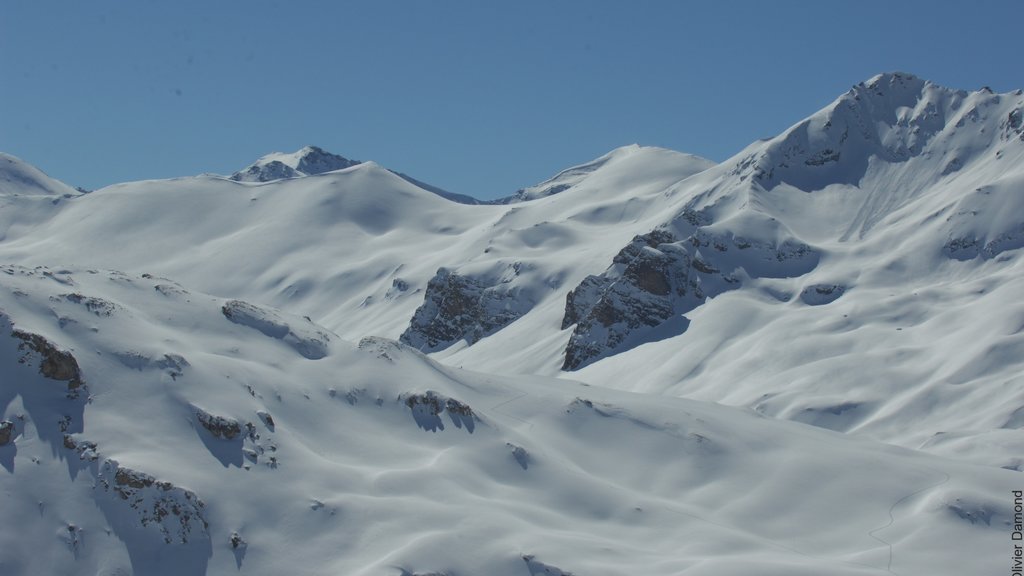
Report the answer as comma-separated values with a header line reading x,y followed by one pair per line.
x,y
806,359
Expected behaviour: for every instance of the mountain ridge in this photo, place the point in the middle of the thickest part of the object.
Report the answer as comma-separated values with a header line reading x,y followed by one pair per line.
x,y
644,349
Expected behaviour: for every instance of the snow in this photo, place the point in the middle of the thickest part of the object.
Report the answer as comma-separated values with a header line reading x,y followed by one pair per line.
x,y
849,402
357,474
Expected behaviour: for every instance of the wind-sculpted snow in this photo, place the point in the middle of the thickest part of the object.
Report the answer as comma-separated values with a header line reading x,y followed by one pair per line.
x,y
305,337
379,460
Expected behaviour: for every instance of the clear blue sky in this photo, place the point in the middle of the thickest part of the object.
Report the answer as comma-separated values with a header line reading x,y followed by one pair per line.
x,y
478,97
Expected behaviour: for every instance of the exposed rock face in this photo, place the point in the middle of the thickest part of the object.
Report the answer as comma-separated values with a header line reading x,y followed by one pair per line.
x,y
275,170
53,363
219,426
316,160
6,432
178,513
835,146
86,450
657,277
458,307
97,306
427,408
1014,125
308,161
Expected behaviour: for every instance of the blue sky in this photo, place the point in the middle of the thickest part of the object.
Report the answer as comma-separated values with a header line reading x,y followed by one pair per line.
x,y
477,97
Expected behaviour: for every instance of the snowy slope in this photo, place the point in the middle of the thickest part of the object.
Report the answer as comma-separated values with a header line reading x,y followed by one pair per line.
x,y
157,430
312,160
354,248
27,196
860,272
862,268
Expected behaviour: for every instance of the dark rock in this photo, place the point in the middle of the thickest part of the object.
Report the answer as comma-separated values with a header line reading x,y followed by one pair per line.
x,y
178,514
456,407
429,403
457,307
219,426
132,478
86,449
267,419
317,161
427,408
538,568
658,277
97,306
274,170
314,160
54,363
6,432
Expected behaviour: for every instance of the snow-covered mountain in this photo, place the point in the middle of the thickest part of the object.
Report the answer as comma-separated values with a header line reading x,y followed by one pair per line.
x,y
307,161
312,160
623,360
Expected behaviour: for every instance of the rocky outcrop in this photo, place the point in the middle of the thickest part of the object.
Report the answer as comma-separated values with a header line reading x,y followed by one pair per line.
x,y
538,568
427,409
457,307
316,160
86,450
820,294
892,117
306,162
6,432
218,426
1013,126
657,277
274,170
97,306
54,363
177,513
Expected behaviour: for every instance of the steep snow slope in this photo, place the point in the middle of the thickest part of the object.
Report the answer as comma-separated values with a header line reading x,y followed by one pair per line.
x,y
152,429
862,269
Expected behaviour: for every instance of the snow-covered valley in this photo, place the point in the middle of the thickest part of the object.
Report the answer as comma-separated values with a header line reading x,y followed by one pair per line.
x,y
804,359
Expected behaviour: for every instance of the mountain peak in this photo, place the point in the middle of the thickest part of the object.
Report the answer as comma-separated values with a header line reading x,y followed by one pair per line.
x,y
895,80
306,161
631,154
892,118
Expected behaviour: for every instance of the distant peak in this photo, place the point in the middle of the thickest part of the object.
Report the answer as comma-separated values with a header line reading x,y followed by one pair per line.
x,y
315,160
891,79
306,161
